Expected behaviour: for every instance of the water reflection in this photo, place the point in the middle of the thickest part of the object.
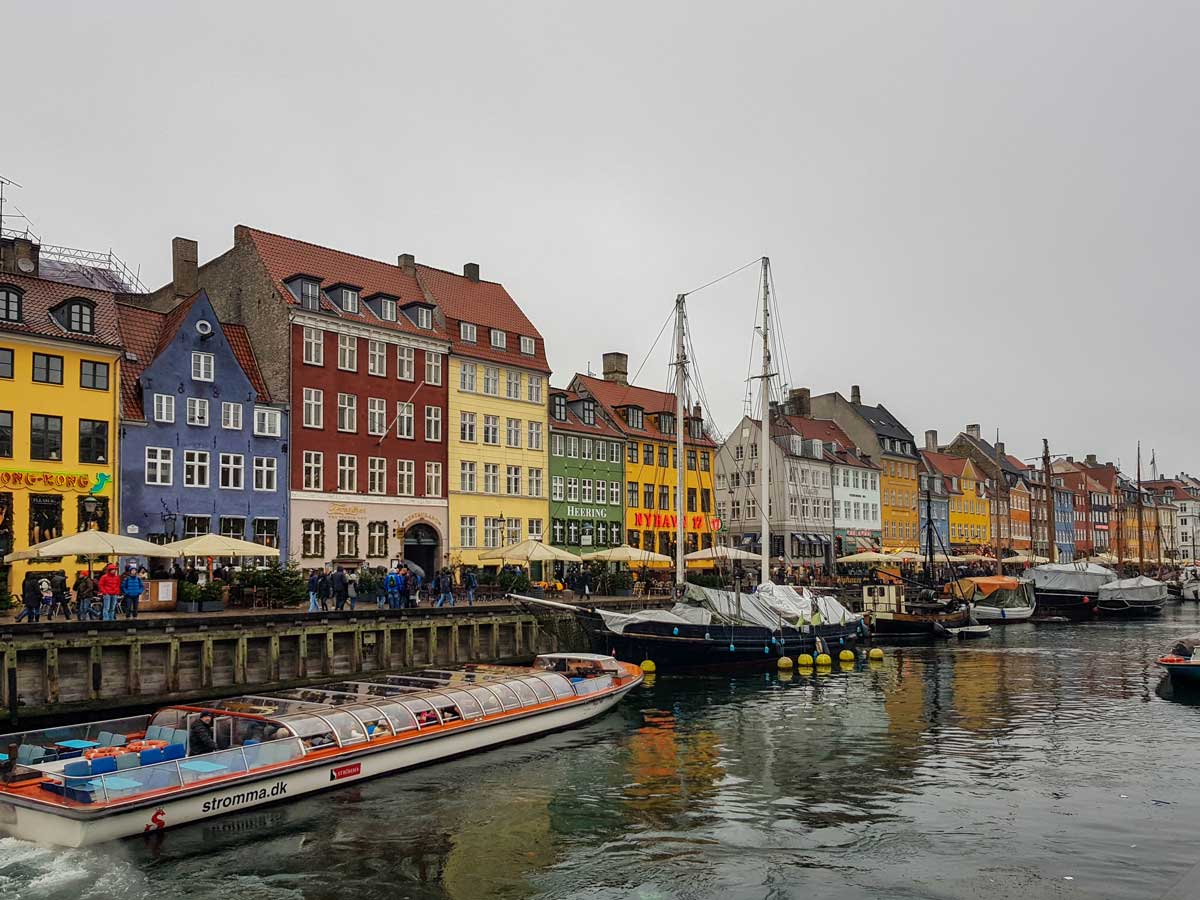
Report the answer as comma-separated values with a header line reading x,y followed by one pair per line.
x,y
997,768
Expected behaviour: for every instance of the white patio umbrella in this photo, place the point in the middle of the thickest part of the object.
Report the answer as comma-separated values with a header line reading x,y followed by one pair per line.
x,y
627,554
89,544
1026,558
867,556
719,552
531,551
216,545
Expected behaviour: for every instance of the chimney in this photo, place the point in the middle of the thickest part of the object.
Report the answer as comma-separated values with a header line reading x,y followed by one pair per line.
x,y
1070,459
973,431
931,440
471,271
19,256
616,367
697,412
184,278
855,394
800,402
1091,460
407,263
1000,449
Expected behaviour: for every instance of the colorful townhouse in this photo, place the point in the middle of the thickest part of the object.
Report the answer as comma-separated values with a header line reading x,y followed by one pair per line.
x,y
1178,503
1064,523
358,350
1001,473
1019,516
201,439
880,437
647,418
497,413
934,505
970,511
60,369
587,475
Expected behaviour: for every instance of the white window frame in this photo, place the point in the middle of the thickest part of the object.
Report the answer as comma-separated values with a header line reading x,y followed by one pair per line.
x,y
193,465
266,473
433,367
466,332
491,478
231,415
406,479
512,384
203,366
377,358
313,464
347,473
433,424
231,469
499,339
557,488
467,433
466,377
314,402
347,420
490,424
535,388
405,366
376,475
347,353
314,346
376,415
197,412
467,472
349,300
405,425
433,479
512,433
268,422
528,346
491,379
466,532
164,408
424,317
533,478
160,460
387,309
535,436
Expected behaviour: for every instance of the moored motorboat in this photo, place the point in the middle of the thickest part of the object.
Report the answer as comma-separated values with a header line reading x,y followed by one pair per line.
x,y
1068,590
995,599
1183,662
1132,598
99,781
890,615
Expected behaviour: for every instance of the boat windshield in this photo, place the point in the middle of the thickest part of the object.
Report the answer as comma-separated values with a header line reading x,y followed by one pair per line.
x,y
540,689
398,716
524,692
507,696
424,712
487,700
311,728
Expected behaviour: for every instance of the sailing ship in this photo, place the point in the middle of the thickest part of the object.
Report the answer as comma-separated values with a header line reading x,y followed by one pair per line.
x,y
1068,591
99,781
1139,596
709,627
996,599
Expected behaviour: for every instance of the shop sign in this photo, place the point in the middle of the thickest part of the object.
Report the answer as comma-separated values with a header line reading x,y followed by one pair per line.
x,y
42,481
666,520
346,509
587,512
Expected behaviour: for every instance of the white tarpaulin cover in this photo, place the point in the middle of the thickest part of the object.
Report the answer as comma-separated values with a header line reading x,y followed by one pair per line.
x,y
772,605
680,615
1134,590
1083,577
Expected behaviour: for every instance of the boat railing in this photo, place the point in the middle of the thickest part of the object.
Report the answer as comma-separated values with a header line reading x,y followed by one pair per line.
x,y
173,774
47,744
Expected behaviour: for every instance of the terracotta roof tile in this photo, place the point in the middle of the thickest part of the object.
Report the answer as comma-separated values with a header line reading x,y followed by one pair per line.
x,y
602,428
945,464
39,297
239,342
613,396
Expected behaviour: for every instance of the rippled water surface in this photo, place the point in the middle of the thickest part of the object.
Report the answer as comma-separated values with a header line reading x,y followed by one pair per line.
x,y
1043,761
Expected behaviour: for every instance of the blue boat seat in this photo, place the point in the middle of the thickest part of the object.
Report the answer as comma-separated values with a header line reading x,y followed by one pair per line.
x,y
77,767
174,751
153,733
177,736
102,765
151,756
128,761
104,738
118,740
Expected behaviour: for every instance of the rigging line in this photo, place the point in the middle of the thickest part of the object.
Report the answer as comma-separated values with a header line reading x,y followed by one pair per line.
x,y
726,275
787,361
748,397
646,358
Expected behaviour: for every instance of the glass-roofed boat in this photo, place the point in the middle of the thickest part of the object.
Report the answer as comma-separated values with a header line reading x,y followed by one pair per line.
x,y
98,781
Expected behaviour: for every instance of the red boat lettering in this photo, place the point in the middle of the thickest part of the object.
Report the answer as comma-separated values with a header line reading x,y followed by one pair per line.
x,y
345,771
157,821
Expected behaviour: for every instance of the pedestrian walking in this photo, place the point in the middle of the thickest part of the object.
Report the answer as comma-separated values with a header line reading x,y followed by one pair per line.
x,y
445,589
393,589
62,594
470,582
110,589
85,592
337,581
132,588
314,576
31,597
324,589
352,588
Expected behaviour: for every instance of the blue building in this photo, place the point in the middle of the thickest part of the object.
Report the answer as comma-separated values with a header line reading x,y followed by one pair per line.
x,y
933,499
1064,523
202,444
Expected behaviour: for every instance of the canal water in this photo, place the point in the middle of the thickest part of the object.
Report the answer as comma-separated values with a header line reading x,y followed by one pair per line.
x,y
1044,761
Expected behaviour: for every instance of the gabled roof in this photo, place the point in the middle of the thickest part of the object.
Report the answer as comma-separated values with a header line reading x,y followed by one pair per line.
x,y
285,258
40,296
573,423
884,423
614,396
146,334
945,464
1007,463
486,305
828,431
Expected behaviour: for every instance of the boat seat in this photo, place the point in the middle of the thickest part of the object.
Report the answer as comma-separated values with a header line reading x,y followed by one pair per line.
x,y
53,787
118,740
153,733
102,765
176,736
77,767
174,751
104,738
151,756
128,761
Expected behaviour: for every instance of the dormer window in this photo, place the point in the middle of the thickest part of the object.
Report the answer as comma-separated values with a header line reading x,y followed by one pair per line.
x,y
589,412
666,423
310,295
424,317
466,331
633,416
350,300
559,407
387,309
10,305
528,346
499,339
80,317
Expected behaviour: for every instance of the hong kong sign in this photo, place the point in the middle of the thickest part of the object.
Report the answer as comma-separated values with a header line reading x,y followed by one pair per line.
x,y
45,481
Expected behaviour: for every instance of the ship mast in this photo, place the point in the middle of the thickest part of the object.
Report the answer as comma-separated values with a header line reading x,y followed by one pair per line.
x,y
764,437
1051,525
680,387
1141,541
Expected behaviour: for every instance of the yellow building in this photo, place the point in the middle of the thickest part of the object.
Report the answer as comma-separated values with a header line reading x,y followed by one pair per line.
x,y
497,417
970,508
647,418
59,411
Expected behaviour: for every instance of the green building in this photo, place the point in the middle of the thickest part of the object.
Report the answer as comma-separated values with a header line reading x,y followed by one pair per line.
x,y
587,475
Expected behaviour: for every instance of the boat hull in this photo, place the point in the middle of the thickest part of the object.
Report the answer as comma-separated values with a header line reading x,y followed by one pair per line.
x,y
1071,605
80,828
916,626
1130,609
1182,672
996,615
704,646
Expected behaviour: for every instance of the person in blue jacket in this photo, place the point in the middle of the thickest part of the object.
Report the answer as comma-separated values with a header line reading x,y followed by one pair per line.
x,y
132,588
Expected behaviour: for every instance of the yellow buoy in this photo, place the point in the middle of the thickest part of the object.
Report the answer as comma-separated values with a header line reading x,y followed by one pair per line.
x,y
805,660
785,662
648,666
875,653
846,656
824,660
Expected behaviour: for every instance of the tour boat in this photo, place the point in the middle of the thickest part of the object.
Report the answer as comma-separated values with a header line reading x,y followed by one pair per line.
x,y
714,628
1183,662
1068,590
84,784
995,599
891,615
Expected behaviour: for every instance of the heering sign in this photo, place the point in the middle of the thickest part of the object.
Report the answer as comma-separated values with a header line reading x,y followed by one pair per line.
x,y
587,512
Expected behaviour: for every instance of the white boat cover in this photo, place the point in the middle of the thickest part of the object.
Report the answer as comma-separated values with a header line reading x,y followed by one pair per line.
x,y
771,606
680,614
1083,577
1140,590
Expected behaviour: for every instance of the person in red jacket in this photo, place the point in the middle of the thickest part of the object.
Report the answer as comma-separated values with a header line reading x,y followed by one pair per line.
x,y
110,592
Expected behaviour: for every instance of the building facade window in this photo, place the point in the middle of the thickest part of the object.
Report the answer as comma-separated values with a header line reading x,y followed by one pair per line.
x,y
93,441
313,466
195,468
347,539
376,475
47,369
377,540
347,466
347,353
202,366
404,363
405,477
93,375
314,408
377,358
232,468
159,465
231,415
266,473
314,346
45,437
197,411
404,420
347,412
433,367
433,479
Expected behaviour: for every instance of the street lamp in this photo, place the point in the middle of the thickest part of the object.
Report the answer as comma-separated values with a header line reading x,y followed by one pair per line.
x,y
171,517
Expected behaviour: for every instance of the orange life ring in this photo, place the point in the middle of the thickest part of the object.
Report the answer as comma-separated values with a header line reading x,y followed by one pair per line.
x,y
154,745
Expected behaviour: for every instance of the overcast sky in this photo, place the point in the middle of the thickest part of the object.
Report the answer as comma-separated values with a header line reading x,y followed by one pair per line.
x,y
979,212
